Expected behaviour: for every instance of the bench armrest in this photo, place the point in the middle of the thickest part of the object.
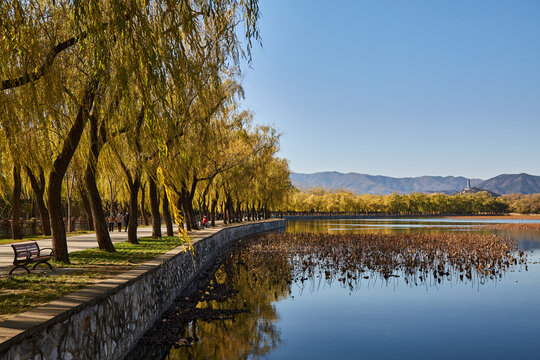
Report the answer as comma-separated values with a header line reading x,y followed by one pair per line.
x,y
41,249
28,256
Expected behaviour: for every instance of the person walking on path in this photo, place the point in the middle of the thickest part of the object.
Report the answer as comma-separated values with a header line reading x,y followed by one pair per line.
x,y
119,220
126,221
111,220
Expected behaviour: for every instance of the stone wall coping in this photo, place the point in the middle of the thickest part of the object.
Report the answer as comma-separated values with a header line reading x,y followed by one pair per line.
x,y
26,324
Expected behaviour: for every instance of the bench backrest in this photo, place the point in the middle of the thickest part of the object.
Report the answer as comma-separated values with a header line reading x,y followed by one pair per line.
x,y
33,248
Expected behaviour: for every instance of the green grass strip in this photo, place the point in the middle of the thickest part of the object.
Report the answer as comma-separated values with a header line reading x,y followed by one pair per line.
x,y
22,292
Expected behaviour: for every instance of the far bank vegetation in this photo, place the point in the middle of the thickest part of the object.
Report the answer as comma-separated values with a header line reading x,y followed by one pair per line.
x,y
319,200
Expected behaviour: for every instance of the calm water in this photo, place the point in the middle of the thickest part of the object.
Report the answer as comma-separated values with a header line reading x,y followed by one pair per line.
x,y
377,319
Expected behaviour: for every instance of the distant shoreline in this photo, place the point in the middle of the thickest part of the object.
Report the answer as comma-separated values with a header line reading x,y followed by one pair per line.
x,y
495,217
388,216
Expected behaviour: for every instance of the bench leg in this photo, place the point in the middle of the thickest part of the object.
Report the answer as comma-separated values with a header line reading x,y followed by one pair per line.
x,y
42,262
19,266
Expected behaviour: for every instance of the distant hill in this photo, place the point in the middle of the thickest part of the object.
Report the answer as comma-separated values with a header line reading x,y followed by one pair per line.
x,y
512,184
376,184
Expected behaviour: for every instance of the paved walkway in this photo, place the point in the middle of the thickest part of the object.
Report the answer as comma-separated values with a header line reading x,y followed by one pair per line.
x,y
75,242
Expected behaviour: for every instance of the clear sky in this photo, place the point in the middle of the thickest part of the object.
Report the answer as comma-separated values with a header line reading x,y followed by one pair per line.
x,y
401,88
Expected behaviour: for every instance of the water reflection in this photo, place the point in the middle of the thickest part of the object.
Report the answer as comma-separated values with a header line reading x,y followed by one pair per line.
x,y
306,305
259,283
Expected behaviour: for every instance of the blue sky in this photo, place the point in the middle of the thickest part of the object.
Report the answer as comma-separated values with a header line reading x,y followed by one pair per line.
x,y
401,88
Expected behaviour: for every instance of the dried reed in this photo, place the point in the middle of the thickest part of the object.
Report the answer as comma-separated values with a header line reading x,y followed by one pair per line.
x,y
415,257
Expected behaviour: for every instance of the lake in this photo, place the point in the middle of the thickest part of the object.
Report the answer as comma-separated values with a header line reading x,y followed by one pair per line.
x,y
280,315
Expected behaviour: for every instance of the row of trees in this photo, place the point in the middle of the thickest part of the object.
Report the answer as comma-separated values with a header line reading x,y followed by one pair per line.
x,y
523,204
98,98
320,200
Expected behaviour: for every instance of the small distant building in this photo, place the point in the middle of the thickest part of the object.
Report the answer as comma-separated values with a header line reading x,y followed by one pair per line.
x,y
473,190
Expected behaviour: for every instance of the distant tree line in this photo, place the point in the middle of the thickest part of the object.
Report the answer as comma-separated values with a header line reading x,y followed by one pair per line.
x,y
523,204
319,200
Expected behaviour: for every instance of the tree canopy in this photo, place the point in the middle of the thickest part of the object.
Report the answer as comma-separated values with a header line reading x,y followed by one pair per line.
x,y
324,201
102,101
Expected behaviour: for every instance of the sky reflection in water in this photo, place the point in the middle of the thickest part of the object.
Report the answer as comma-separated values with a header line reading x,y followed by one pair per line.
x,y
378,319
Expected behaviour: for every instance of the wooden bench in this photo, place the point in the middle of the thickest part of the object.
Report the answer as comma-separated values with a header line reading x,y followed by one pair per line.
x,y
29,253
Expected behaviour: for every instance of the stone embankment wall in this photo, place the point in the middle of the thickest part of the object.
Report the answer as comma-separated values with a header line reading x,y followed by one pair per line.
x,y
106,320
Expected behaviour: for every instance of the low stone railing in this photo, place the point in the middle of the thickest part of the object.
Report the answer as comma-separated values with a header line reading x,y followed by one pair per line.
x,y
105,320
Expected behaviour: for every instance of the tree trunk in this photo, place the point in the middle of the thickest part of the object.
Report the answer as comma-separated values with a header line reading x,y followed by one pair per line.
x,y
68,217
233,212
154,208
133,209
180,208
143,206
193,218
213,212
201,206
224,213
98,215
167,215
59,168
229,209
39,191
87,207
16,228
134,183
190,194
239,213
58,230
213,208
187,214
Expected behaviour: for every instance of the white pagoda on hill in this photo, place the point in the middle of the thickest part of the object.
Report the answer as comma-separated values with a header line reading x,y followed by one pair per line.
x,y
473,190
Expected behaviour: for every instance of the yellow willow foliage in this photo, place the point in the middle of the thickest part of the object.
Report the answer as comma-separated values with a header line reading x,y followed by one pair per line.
x,y
321,200
177,215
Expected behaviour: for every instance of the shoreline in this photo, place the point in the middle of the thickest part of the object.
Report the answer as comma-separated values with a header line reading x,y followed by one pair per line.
x,y
497,217
389,216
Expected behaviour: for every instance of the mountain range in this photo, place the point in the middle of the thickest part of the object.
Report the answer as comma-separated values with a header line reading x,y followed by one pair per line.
x,y
377,184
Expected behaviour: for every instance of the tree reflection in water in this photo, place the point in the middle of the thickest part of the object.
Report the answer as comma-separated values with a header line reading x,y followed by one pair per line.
x,y
259,282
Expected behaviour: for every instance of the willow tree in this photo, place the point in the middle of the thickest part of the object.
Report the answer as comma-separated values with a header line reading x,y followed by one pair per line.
x,y
179,84
189,153
131,157
241,186
225,142
45,68
13,161
56,56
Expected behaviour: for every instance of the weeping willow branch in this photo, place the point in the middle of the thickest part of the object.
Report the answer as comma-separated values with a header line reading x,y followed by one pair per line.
x,y
40,71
